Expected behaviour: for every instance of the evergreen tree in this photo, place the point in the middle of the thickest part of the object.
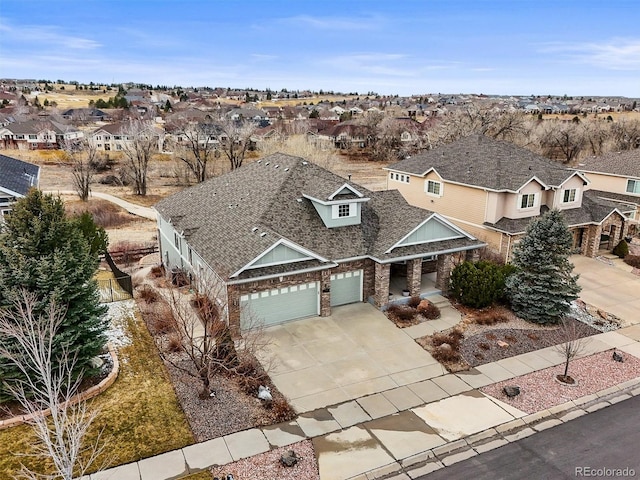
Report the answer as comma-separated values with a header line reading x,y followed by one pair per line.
x,y
44,252
543,287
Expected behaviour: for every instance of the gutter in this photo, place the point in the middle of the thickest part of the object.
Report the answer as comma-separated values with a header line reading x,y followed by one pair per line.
x,y
277,275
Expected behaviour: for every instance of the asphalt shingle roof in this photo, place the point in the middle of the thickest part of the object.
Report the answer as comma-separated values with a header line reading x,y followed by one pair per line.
x,y
592,211
487,163
618,163
230,220
18,176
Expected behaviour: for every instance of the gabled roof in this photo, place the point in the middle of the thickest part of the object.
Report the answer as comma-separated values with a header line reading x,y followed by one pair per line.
x,y
617,163
486,163
34,127
16,176
233,219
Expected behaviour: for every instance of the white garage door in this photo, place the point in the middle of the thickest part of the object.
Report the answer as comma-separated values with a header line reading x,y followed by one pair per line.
x,y
278,305
346,288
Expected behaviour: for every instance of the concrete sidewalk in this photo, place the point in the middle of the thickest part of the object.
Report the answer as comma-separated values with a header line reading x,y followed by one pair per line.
x,y
138,210
403,432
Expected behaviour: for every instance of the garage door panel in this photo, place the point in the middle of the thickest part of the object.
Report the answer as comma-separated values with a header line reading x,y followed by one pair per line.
x,y
271,307
346,288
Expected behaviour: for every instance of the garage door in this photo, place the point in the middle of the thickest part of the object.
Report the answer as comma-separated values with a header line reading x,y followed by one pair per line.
x,y
346,288
280,305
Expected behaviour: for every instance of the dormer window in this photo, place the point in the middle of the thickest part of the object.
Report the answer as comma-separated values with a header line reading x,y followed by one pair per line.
x,y
528,200
569,195
343,210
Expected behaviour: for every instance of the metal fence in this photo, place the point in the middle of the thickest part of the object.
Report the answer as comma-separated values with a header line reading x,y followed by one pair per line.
x,y
111,291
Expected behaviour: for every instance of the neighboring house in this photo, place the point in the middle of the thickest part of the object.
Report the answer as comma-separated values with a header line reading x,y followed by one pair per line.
x,y
344,135
616,177
37,135
16,178
493,189
283,239
85,115
114,136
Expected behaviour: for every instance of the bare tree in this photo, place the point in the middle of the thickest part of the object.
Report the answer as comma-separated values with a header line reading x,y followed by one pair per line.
x,y
197,146
49,387
300,146
200,343
569,344
625,135
83,157
141,141
562,141
236,140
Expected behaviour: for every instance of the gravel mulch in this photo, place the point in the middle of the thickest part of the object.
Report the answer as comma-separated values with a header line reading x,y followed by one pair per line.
x,y
267,466
540,390
483,347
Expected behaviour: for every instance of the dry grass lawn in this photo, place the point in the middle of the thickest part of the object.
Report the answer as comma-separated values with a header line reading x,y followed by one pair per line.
x,y
139,415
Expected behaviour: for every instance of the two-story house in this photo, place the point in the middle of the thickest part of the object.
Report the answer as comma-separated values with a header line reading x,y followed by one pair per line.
x,y
16,178
37,135
114,136
493,189
283,238
616,177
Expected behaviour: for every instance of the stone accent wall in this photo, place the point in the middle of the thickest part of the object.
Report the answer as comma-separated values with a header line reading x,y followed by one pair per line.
x,y
414,276
429,266
446,264
382,276
591,241
325,293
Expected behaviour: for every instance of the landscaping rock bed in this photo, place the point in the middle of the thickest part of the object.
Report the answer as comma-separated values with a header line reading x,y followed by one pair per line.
x,y
499,343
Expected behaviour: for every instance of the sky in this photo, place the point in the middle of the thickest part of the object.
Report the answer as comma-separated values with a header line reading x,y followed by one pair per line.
x,y
403,47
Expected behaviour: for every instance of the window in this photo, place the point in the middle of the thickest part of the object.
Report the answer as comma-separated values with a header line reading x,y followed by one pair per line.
x,y
33,137
343,210
176,240
434,188
633,186
399,178
528,200
569,196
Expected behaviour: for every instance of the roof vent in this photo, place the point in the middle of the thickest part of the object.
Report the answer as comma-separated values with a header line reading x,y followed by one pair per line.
x,y
277,166
286,169
299,200
305,163
349,177
263,234
268,163
259,161
254,229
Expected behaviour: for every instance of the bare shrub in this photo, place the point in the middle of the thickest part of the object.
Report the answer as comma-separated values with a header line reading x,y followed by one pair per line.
x,y
490,317
632,260
428,310
157,271
453,340
414,301
173,343
148,294
402,313
445,353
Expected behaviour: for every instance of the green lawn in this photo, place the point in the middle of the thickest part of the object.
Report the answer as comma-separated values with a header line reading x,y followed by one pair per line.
x,y
139,414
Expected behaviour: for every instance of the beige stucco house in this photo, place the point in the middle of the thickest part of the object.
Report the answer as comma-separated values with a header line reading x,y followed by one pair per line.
x,y
492,189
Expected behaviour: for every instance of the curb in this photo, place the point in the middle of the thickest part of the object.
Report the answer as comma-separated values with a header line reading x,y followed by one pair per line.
x,y
512,431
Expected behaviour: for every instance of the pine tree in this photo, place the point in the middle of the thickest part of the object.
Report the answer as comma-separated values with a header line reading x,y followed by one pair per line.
x,y
44,252
543,287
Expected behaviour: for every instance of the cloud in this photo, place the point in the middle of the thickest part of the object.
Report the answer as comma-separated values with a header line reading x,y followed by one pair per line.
x,y
615,54
348,24
263,57
45,35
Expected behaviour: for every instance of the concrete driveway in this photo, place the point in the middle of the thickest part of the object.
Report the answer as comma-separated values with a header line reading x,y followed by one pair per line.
x,y
357,351
609,287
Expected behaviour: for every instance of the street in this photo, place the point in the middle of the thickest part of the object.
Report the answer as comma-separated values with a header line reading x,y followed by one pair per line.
x,y
603,444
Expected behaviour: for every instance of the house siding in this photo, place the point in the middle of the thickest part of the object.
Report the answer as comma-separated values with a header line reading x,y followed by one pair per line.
x,y
574,182
609,183
512,201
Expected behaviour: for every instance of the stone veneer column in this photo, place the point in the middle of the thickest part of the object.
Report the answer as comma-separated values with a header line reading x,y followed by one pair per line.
x,y
593,240
233,298
414,276
382,276
325,293
444,267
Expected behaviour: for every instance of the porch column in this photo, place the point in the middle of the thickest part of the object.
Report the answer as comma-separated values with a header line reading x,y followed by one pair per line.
x,y
443,272
414,276
382,276
233,299
325,293
592,242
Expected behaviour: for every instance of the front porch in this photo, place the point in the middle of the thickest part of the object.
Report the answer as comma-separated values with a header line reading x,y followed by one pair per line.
x,y
422,276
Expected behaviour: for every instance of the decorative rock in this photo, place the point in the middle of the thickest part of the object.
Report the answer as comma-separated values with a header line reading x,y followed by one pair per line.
x,y
264,393
617,357
446,347
96,362
511,391
503,344
289,459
